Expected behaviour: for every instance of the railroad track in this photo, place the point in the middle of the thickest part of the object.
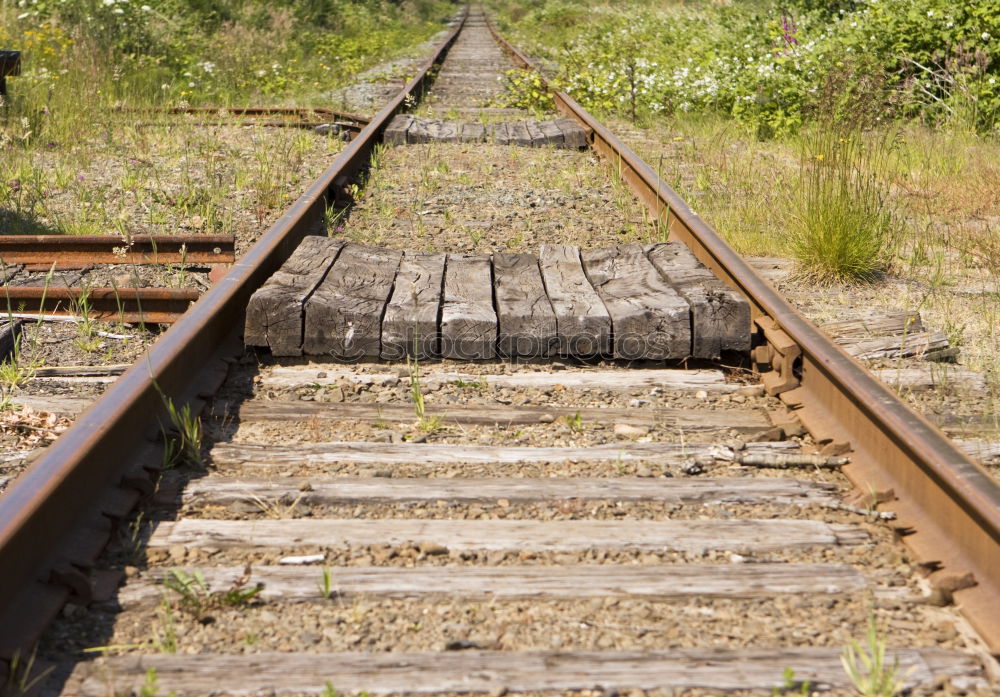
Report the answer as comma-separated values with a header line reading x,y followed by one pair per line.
x,y
538,526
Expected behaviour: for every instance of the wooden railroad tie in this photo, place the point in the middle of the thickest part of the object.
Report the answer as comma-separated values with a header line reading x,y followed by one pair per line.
x,y
560,133
349,302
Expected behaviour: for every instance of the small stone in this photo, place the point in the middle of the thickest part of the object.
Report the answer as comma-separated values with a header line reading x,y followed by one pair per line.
x,y
498,691
793,430
751,391
701,394
305,486
131,571
630,431
738,398
432,549
546,418
177,553
321,375
643,471
335,394
772,435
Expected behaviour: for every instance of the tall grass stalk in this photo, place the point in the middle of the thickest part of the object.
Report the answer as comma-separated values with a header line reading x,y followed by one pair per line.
x,y
844,224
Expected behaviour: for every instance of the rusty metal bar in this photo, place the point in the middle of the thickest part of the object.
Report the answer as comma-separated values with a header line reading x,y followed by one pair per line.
x,y
112,249
131,305
53,520
948,505
300,112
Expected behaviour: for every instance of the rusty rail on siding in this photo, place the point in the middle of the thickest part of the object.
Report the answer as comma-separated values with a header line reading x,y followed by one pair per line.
x,y
113,249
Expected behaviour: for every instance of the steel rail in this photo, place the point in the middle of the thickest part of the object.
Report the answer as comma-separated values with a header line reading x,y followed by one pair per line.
x,y
96,471
131,305
113,249
301,112
948,506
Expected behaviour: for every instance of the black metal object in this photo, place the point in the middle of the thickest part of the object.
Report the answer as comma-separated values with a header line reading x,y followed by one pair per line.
x,y
10,65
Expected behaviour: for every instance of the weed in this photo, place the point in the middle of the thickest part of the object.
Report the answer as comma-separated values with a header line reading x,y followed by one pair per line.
x,y
844,225
164,638
277,510
867,668
790,683
328,690
326,585
197,598
182,445
150,686
416,393
20,678
575,422
480,384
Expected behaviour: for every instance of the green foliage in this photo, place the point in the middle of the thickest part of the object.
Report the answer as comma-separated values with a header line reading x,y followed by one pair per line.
x,y
524,89
845,226
870,673
766,63
196,597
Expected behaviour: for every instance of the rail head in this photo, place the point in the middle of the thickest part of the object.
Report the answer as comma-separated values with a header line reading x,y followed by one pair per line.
x,y
949,506
54,519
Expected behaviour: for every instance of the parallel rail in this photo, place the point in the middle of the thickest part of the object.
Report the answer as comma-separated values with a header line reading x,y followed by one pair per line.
x,y
113,249
948,507
98,469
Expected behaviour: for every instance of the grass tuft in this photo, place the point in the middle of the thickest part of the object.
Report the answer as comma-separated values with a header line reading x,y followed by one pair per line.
x,y
844,225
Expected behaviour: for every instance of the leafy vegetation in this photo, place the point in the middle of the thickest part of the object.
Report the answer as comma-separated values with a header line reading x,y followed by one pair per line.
x,y
765,63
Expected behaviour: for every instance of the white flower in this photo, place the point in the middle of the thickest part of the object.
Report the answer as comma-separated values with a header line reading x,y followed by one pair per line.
x,y
930,13
985,36
145,8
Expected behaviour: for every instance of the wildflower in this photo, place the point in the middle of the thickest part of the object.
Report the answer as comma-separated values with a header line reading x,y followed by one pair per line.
x,y
819,157
985,36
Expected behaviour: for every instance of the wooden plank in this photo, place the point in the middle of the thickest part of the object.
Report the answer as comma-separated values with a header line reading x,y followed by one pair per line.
x,y
745,535
519,134
583,324
422,130
275,311
496,672
574,136
538,138
344,314
55,404
498,133
364,452
658,582
688,420
631,379
720,316
881,324
927,377
649,319
527,324
553,134
902,346
472,133
315,491
468,320
410,324
395,132
987,452
59,371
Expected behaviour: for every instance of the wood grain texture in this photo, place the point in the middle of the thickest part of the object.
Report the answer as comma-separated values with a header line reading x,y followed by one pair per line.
x,y
395,132
343,317
573,135
583,325
720,316
527,324
519,134
410,323
476,671
225,491
275,311
901,346
881,324
930,377
468,320
472,133
365,452
745,536
650,582
498,133
689,420
279,376
649,319
553,134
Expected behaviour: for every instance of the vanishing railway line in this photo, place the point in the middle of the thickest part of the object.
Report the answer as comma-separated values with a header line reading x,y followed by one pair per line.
x,y
537,525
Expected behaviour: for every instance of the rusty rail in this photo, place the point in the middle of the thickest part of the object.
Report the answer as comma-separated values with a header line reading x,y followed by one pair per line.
x,y
112,249
948,506
130,305
57,517
303,113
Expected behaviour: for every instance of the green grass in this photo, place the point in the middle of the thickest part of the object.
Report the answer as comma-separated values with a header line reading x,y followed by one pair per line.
x,y
844,225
